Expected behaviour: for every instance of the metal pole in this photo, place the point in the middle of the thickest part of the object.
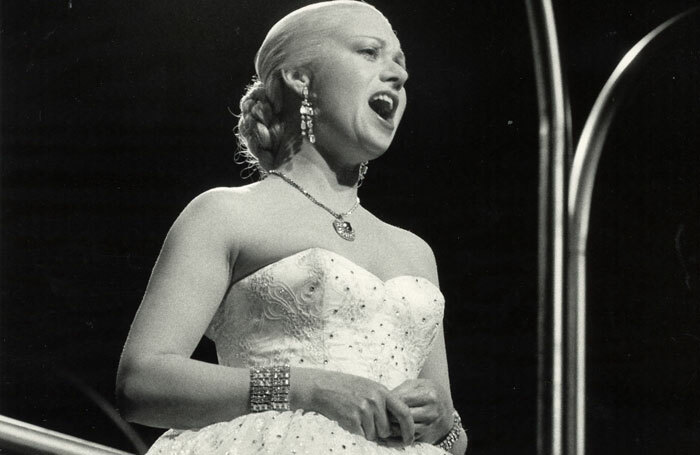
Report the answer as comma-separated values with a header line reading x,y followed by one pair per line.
x,y
554,131
583,172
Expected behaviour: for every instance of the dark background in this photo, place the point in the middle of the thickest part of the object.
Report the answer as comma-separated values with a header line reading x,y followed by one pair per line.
x,y
116,114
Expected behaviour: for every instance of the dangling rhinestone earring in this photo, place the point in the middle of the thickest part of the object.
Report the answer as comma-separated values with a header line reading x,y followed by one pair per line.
x,y
363,172
307,116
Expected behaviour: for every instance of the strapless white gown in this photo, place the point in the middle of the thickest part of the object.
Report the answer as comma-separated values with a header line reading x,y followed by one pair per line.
x,y
316,309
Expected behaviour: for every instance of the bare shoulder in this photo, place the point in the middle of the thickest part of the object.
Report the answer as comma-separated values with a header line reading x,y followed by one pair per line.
x,y
412,249
223,200
412,244
216,214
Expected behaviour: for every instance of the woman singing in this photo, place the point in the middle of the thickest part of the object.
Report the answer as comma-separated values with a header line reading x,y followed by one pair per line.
x,y
327,321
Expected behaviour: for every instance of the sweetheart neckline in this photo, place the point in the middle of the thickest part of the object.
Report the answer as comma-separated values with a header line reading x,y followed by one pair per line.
x,y
333,253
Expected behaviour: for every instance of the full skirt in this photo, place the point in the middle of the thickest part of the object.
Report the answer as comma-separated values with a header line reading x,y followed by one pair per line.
x,y
276,433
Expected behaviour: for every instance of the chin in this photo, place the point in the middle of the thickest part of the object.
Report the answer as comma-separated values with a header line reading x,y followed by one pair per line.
x,y
365,141
375,141
375,148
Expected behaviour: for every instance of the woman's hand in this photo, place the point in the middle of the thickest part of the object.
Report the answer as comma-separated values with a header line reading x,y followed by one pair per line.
x,y
358,404
429,407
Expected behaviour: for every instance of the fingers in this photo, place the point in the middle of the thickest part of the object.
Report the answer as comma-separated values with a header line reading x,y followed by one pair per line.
x,y
422,415
367,419
421,430
417,393
365,407
354,426
402,414
414,399
375,420
425,414
381,420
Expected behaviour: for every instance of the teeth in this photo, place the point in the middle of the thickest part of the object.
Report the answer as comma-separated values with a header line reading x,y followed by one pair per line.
x,y
384,97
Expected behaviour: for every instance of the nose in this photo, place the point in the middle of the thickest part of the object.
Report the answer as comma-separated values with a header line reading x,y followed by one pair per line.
x,y
395,73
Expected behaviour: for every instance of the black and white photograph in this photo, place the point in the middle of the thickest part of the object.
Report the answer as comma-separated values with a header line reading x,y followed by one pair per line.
x,y
350,227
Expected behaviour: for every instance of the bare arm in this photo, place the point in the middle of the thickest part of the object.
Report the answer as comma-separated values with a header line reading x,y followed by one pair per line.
x,y
435,370
157,382
430,396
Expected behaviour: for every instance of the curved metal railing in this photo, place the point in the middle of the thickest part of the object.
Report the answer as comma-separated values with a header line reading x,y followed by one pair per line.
x,y
563,226
582,181
21,437
562,246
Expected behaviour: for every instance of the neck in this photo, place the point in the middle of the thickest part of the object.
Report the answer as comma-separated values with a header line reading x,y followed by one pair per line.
x,y
334,184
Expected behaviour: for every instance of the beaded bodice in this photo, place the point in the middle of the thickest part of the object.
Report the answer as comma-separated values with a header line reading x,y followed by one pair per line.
x,y
318,309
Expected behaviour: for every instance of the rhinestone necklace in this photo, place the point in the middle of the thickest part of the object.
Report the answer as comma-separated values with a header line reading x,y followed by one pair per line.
x,y
342,228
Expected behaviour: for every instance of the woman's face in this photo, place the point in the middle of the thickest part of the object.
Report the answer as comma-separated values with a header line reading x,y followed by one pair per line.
x,y
358,87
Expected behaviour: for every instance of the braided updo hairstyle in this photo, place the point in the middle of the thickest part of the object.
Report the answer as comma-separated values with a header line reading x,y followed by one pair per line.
x,y
260,129
268,131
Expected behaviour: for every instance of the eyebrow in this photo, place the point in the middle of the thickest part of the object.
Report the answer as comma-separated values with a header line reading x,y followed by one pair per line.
x,y
400,54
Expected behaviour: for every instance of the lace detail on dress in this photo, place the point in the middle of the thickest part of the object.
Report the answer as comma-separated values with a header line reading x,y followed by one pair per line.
x,y
296,308
319,309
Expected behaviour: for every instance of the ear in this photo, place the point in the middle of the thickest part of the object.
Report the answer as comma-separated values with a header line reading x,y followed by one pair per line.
x,y
296,79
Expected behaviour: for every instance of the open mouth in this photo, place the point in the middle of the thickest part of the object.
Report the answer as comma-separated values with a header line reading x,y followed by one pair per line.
x,y
384,104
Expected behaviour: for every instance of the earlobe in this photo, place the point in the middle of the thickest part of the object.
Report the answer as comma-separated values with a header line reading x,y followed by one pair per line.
x,y
295,80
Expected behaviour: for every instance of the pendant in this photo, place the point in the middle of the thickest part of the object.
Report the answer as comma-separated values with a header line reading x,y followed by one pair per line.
x,y
344,229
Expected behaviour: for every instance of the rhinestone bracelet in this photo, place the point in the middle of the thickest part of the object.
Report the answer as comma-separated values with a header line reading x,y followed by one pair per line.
x,y
449,440
269,388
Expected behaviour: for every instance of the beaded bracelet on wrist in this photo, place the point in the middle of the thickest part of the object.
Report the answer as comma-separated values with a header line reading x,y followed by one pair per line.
x,y
269,388
449,439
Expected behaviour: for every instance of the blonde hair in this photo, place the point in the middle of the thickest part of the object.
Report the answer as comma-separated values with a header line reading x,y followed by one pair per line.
x,y
296,41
